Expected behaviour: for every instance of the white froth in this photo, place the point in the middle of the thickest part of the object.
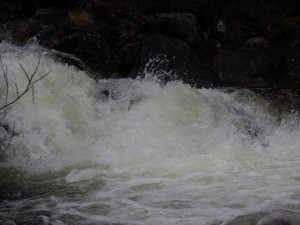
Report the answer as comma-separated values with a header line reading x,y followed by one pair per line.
x,y
163,154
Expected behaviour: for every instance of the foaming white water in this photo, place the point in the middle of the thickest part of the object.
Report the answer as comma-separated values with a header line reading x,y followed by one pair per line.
x,y
148,153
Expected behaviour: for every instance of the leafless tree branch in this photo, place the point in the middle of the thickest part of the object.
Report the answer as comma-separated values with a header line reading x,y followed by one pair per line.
x,y
5,140
29,85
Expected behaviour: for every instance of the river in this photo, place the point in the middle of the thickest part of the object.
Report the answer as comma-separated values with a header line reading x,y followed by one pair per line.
x,y
136,151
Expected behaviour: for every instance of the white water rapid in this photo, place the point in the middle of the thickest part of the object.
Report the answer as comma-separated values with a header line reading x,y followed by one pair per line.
x,y
138,152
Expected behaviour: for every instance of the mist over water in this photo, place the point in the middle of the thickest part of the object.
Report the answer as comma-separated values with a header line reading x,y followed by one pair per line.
x,y
139,152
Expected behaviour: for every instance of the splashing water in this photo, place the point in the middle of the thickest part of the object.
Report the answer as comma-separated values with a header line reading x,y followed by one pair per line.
x,y
138,152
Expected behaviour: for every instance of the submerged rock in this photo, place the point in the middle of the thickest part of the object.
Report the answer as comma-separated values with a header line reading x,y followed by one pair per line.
x,y
69,59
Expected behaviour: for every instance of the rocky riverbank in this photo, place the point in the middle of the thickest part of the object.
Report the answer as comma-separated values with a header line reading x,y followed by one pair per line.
x,y
252,44
248,44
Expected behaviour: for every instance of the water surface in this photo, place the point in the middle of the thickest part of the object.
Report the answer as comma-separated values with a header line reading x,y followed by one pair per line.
x,y
139,152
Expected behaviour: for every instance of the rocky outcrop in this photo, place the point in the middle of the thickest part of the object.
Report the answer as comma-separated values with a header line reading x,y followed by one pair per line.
x,y
16,10
129,53
93,50
177,25
239,43
287,41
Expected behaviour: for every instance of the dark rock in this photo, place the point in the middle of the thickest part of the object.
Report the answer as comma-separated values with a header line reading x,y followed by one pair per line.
x,y
62,5
20,31
127,31
177,25
221,26
68,59
170,59
91,49
204,9
258,42
79,19
288,43
45,26
51,16
156,6
102,12
283,100
247,43
232,33
47,35
129,53
245,67
208,49
16,10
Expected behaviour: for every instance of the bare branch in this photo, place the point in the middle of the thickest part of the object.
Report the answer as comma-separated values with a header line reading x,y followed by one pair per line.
x,y
32,94
5,140
4,71
17,90
30,83
28,78
33,82
36,68
5,114
10,139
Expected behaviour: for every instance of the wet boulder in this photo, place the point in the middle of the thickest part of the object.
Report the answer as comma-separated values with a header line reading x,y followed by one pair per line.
x,y
45,26
169,59
47,36
93,50
69,59
245,66
259,43
129,53
287,40
177,25
20,31
16,10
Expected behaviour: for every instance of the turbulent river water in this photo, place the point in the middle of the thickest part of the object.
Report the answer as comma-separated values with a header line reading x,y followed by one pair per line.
x,y
135,151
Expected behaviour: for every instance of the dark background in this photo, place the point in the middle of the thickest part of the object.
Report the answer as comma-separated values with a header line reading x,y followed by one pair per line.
x,y
251,44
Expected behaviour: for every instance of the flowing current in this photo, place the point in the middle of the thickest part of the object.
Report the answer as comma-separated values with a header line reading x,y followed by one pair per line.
x,y
135,151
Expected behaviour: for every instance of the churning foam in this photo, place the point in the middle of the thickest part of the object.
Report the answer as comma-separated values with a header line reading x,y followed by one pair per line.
x,y
198,148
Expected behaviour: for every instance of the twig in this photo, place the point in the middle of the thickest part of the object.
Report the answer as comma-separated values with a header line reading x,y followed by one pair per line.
x,y
5,79
10,139
5,108
29,86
